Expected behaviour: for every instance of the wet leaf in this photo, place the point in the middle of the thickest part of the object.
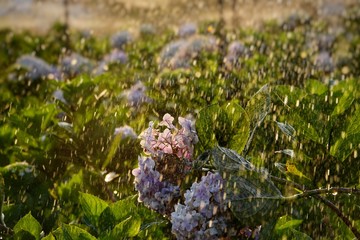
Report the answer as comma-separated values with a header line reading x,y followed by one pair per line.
x,y
286,222
50,236
92,207
240,126
227,126
207,123
306,129
123,208
347,144
344,103
315,87
27,225
291,168
258,106
72,232
250,189
354,123
112,150
344,147
128,228
287,129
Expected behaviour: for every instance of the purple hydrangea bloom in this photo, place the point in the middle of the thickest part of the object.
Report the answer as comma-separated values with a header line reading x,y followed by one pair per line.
x,y
171,140
37,68
235,50
202,216
155,194
324,62
118,40
192,48
75,64
179,54
116,56
136,95
59,95
325,42
169,51
187,29
126,132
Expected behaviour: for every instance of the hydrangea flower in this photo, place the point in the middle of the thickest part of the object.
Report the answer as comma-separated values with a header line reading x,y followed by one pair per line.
x,y
158,177
187,29
202,215
236,50
58,94
324,62
136,95
119,39
155,194
192,48
116,56
37,68
169,51
126,132
172,140
75,64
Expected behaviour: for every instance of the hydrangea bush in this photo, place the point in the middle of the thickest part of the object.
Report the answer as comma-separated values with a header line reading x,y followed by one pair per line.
x,y
201,214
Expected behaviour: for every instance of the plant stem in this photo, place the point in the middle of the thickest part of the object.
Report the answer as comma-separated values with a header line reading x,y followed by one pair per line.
x,y
327,202
332,190
338,212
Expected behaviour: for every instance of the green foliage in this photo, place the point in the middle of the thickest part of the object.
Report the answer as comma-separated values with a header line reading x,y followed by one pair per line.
x,y
92,207
272,115
250,190
27,227
71,232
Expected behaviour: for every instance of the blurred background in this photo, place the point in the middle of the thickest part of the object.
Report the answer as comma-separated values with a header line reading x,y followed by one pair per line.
x,y
108,16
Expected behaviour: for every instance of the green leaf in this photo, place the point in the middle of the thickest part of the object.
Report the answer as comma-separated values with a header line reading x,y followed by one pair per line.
x,y
315,87
354,124
344,103
208,124
240,126
287,129
92,207
129,227
344,147
250,189
305,128
72,232
350,140
286,222
112,150
295,234
69,190
227,126
288,95
107,220
124,208
50,236
258,106
28,224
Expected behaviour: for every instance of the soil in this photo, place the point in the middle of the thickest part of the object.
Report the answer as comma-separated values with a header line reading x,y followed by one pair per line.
x,y
109,16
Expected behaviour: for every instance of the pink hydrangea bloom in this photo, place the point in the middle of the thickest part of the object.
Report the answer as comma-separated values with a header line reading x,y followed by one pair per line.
x,y
171,140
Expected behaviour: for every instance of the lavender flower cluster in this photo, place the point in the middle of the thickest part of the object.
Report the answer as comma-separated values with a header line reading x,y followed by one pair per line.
x,y
155,194
174,141
204,213
202,216
155,191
